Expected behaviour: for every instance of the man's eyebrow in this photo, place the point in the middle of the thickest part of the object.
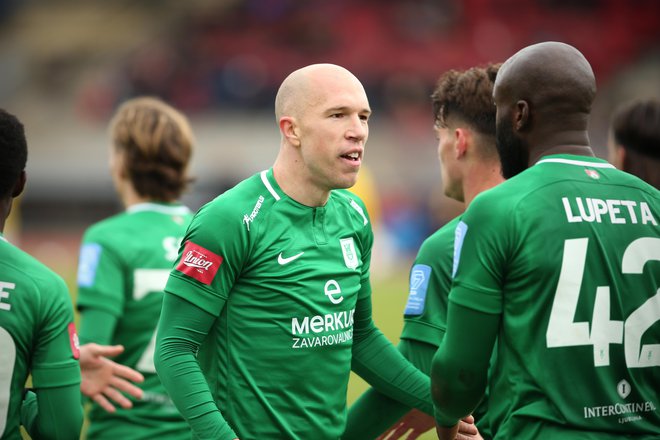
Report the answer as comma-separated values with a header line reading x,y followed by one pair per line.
x,y
343,108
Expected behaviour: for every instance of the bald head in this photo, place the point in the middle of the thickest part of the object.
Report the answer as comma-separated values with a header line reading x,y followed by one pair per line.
x,y
303,87
552,76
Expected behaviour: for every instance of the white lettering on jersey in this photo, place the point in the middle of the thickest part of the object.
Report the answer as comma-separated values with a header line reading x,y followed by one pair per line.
x,y
5,295
196,260
613,211
322,323
247,219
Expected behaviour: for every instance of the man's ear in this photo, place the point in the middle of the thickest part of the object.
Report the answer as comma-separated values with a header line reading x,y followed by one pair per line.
x,y
620,157
289,130
461,137
19,186
521,116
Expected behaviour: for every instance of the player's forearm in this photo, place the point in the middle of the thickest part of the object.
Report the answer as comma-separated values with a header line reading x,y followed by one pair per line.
x,y
371,415
183,328
459,370
53,413
96,326
378,362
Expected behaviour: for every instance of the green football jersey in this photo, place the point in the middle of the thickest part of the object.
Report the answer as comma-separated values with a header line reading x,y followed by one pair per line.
x,y
278,357
425,315
37,334
125,261
568,253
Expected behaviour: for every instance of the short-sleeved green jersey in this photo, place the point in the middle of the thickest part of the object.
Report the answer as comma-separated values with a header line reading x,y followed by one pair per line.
x,y
425,316
278,357
568,252
37,334
125,261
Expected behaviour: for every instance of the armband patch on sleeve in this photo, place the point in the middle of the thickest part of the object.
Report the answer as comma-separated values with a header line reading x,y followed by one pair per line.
x,y
419,283
199,263
74,341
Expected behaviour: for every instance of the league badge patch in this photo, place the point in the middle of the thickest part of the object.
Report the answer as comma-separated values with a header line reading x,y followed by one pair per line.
x,y
419,283
199,263
90,254
348,249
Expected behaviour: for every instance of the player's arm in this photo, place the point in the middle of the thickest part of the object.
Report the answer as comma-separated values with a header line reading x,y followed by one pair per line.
x,y
379,363
183,326
53,413
374,412
464,353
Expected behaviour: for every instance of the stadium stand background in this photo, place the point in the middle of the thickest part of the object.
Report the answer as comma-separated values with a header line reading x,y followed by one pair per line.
x,y
66,64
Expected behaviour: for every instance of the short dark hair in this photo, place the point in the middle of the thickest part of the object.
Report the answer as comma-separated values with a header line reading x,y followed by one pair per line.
x,y
636,126
468,96
13,151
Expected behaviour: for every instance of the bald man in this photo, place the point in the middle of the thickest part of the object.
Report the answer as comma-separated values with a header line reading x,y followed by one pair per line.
x,y
562,263
269,304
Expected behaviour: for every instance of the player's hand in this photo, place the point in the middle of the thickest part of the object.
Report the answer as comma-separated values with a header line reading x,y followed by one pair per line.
x,y
463,430
103,380
414,421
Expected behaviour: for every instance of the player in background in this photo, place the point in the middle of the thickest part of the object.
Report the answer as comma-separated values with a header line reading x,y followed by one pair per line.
x,y
634,140
561,265
464,123
269,306
37,333
125,260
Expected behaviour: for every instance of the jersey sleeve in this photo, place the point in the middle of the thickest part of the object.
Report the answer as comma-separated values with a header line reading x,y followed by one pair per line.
x,y
379,363
481,254
55,361
211,257
53,413
175,359
101,277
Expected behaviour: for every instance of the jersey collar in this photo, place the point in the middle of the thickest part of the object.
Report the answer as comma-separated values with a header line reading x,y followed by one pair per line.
x,y
163,208
571,159
271,185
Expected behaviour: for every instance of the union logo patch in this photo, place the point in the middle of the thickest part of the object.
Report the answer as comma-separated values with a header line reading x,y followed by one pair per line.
x,y
74,341
199,263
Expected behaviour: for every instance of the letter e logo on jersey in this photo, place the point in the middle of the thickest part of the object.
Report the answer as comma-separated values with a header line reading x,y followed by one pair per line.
x,y
348,249
199,263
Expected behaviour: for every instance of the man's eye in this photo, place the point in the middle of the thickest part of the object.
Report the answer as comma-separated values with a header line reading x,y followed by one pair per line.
x,y
336,115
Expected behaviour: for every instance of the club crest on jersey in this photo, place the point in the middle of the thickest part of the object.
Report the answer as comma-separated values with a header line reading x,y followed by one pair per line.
x,y
199,263
348,249
592,173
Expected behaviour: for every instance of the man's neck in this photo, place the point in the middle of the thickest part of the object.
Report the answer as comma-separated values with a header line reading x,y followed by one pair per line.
x,y
481,177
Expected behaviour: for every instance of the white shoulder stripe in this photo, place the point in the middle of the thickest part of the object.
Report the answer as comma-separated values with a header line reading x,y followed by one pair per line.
x,y
270,188
582,163
358,208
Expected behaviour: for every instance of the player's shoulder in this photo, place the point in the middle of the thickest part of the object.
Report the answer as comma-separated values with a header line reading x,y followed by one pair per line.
x,y
352,203
247,201
31,271
442,238
107,227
